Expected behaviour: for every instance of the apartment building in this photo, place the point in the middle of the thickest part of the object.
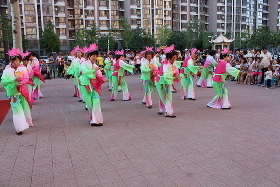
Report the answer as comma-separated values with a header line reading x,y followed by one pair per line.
x,y
184,11
229,17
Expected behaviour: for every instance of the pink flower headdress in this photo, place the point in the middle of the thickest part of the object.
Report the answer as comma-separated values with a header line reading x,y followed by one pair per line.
x,y
121,52
14,52
169,49
75,49
84,50
23,55
158,50
193,51
147,49
92,47
225,51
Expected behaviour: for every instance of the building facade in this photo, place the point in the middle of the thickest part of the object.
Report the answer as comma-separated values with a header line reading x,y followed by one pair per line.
x,y
231,17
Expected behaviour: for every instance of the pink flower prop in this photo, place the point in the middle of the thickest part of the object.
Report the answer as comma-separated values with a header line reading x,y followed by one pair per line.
x,y
92,47
158,50
169,49
84,50
24,54
225,51
193,51
14,52
149,49
142,52
121,52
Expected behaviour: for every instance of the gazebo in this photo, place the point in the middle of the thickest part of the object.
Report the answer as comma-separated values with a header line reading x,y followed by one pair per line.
x,y
220,42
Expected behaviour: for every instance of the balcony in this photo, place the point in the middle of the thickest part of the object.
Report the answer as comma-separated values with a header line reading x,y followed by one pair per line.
x,y
59,3
89,7
103,8
103,18
61,25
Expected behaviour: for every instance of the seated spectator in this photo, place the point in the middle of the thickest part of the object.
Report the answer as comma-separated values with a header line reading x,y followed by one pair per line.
x,y
257,70
244,66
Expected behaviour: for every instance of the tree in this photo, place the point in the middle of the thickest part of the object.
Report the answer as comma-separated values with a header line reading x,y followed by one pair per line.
x,y
140,39
163,35
263,37
49,41
79,38
197,36
16,22
178,38
6,31
126,31
106,40
91,35
25,43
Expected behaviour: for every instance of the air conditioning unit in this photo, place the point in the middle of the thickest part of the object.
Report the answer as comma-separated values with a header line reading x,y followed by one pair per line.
x,y
138,22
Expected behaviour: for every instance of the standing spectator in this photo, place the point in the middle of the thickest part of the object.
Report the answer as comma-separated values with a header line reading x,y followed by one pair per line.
x,y
266,59
100,60
51,65
60,65
137,60
268,77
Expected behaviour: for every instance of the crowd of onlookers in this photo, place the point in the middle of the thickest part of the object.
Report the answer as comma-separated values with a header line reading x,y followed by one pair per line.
x,y
257,67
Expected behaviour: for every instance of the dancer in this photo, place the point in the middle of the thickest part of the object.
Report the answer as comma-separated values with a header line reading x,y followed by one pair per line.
x,y
74,69
168,74
14,80
118,76
222,70
37,76
26,63
108,69
186,74
91,80
148,74
205,79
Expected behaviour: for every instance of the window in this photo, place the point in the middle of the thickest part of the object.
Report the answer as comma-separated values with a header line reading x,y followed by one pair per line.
x,y
103,23
61,20
47,9
30,21
62,32
29,9
31,33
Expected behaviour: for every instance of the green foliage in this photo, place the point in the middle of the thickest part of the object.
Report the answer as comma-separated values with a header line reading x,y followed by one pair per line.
x,y
140,39
79,38
106,40
163,35
6,30
49,40
91,35
126,32
194,36
263,37
25,43
197,36
178,38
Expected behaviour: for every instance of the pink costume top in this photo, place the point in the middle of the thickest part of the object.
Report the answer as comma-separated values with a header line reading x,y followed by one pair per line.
x,y
30,73
36,69
222,69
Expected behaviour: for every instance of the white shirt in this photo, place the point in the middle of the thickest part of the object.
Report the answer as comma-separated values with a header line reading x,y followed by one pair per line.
x,y
268,75
266,58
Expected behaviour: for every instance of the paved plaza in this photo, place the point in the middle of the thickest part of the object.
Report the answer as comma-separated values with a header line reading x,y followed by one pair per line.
x,y
137,147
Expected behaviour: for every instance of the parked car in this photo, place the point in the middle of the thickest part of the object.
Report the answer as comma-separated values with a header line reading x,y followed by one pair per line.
x,y
44,58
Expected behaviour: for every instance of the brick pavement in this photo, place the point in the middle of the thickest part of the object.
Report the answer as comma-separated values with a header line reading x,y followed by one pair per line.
x,y
137,147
